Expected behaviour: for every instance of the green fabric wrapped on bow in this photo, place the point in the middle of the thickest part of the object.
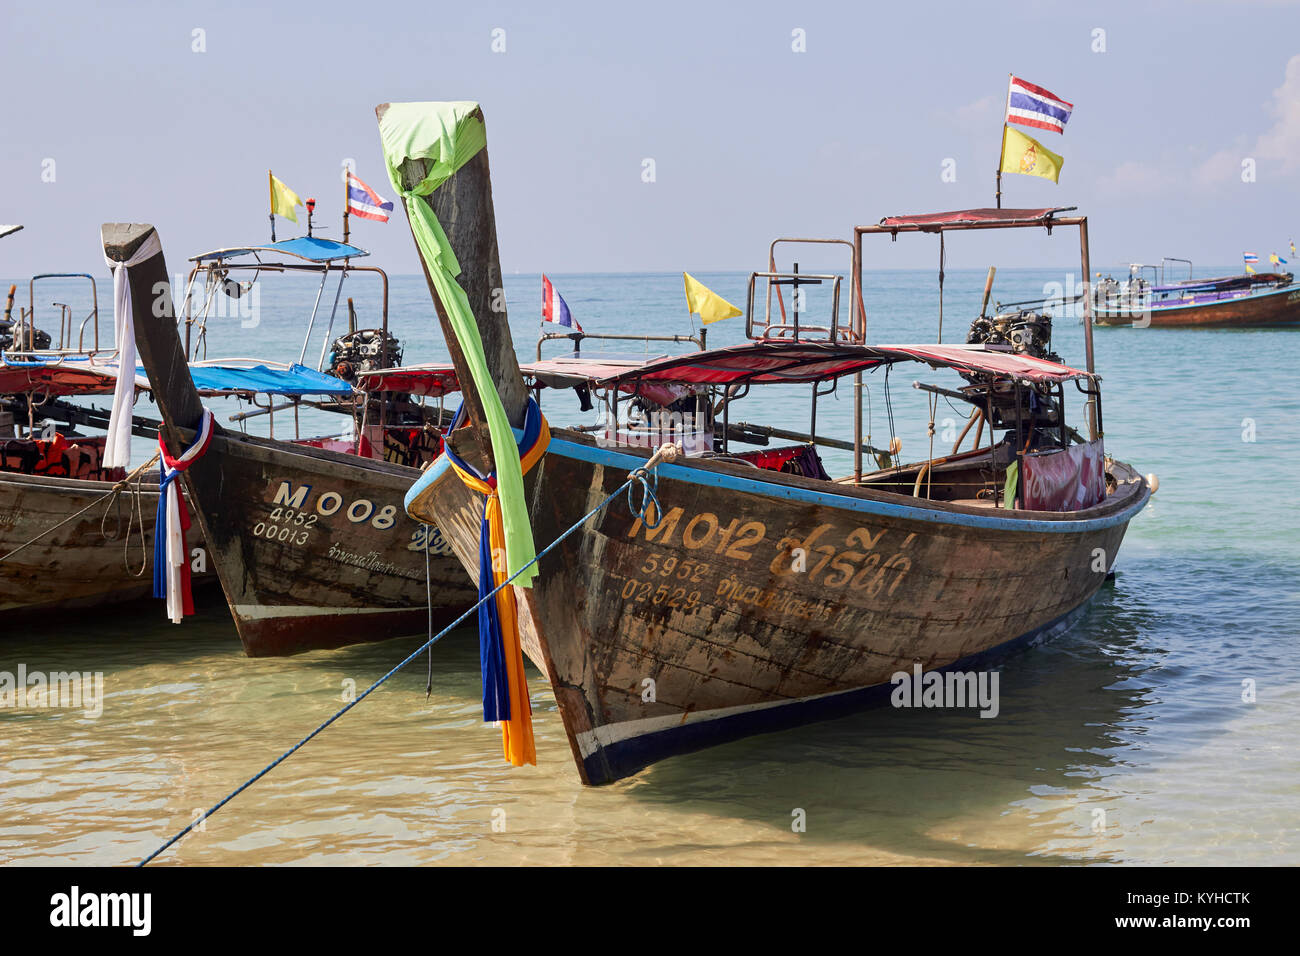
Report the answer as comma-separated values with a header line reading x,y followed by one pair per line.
x,y
447,136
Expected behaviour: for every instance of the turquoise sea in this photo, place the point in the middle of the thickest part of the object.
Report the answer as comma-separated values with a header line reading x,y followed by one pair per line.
x,y
1165,728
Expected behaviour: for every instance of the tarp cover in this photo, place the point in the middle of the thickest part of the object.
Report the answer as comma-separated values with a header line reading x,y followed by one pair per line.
x,y
311,248
792,362
431,380
80,376
968,218
296,380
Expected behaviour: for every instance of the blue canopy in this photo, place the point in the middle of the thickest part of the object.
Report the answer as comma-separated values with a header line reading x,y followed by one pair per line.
x,y
295,380
311,248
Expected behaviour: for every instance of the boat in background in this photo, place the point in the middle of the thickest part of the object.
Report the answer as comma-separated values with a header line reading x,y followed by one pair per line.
x,y
1249,300
309,538
746,597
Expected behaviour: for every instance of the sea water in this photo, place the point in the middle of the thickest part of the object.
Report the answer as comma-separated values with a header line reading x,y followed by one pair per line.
x,y
1164,728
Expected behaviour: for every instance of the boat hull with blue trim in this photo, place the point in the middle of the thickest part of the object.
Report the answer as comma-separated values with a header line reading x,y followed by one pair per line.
x,y
1255,308
706,628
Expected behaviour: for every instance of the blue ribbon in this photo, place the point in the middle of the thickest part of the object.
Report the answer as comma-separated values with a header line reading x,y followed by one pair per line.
x,y
491,646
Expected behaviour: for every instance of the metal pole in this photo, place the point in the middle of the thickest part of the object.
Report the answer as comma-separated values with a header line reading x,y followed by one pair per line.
x,y
346,196
857,428
312,321
1087,321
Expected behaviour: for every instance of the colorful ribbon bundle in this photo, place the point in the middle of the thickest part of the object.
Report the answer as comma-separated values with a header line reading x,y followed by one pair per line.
x,y
171,558
505,689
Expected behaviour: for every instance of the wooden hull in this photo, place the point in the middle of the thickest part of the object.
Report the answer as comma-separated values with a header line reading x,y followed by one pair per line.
x,y
1267,309
660,641
82,563
314,549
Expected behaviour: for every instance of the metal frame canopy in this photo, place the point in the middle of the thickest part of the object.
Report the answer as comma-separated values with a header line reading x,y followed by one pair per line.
x,y
314,254
309,248
973,219
786,362
989,218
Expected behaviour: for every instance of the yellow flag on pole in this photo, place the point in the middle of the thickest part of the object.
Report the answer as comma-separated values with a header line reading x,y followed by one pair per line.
x,y
710,306
1027,156
283,199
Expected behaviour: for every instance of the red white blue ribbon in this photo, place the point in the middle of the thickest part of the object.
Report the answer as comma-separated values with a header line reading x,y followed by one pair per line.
x,y
171,558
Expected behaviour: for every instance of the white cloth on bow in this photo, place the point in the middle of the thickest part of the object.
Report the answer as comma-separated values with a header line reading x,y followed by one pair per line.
x,y
117,447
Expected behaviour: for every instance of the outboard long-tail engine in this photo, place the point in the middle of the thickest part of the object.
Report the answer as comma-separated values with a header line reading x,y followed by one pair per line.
x,y
1026,331
362,351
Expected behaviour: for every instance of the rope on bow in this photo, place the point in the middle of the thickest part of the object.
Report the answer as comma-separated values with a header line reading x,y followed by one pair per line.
x,y
663,455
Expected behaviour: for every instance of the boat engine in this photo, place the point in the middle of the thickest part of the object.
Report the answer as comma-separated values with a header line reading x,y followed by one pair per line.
x,y
362,351
41,340
1027,332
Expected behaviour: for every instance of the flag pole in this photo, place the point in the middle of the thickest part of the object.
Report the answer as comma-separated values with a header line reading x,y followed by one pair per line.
x,y
270,185
1002,149
346,195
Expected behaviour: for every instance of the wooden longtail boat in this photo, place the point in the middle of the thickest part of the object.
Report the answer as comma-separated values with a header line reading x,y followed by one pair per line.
x,y
752,598
71,536
1252,300
311,544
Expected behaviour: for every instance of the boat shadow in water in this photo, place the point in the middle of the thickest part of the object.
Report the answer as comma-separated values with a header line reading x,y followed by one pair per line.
x,y
944,785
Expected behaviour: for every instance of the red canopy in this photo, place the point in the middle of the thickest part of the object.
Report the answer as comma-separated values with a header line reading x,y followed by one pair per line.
x,y
978,358
968,219
57,379
768,362
431,380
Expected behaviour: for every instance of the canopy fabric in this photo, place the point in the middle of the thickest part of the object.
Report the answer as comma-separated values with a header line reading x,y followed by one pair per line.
x,y
310,248
978,358
81,376
770,362
294,381
56,379
599,373
969,219
434,381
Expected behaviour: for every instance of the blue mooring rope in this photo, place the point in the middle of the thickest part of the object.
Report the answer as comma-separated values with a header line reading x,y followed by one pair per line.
x,y
640,475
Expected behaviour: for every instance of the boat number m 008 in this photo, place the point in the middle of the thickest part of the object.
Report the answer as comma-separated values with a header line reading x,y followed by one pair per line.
x,y
331,503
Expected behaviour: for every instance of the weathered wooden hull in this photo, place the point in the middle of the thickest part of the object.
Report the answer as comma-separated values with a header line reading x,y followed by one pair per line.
x,y
314,549
80,564
660,641
1267,309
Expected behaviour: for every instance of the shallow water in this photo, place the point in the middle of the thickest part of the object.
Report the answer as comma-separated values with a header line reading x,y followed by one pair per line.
x,y
1137,712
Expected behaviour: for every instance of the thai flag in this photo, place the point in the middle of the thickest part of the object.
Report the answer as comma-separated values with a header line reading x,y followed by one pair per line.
x,y
554,308
1250,257
365,202
1031,105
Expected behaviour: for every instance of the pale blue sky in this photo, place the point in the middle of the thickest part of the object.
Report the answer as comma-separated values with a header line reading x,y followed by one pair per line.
x,y
749,138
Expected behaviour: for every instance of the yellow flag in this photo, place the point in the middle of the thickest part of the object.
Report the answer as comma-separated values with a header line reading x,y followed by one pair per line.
x,y
283,199
711,306
1249,269
1026,155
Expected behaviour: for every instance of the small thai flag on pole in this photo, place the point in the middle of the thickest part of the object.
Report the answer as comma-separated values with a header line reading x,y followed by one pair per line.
x,y
1250,257
554,308
365,202
1031,105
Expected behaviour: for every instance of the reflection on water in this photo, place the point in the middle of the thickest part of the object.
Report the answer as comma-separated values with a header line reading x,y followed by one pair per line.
x,y
1106,718
1126,740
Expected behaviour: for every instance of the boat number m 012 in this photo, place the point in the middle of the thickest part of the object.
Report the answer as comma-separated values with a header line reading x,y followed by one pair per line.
x,y
330,503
